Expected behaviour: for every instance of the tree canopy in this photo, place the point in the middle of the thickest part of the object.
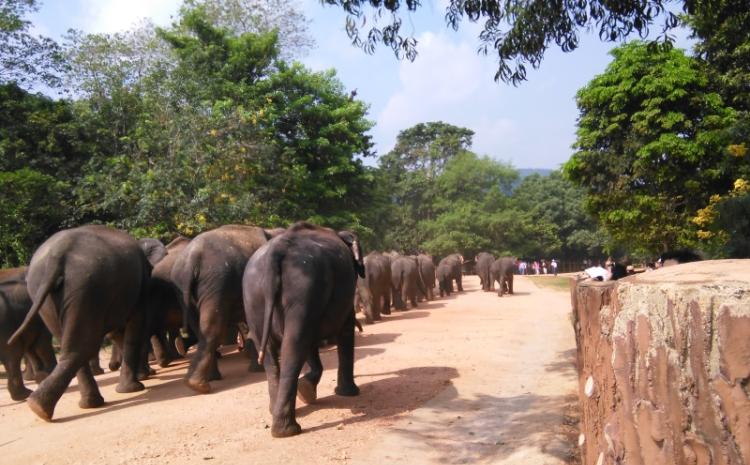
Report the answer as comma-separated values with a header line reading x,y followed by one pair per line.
x,y
651,146
516,32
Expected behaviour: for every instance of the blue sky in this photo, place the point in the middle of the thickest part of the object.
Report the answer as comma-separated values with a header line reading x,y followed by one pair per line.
x,y
529,126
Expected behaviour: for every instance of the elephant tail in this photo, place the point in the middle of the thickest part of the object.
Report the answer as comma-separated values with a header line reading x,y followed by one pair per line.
x,y
421,282
184,277
271,289
52,279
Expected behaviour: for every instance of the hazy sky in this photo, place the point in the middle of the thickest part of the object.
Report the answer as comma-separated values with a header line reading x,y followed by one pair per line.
x,y
529,126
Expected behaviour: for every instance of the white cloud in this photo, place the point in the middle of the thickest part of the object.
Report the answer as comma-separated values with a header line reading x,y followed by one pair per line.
x,y
449,82
120,15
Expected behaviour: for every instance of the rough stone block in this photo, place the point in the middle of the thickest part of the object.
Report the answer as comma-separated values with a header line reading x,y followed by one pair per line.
x,y
664,366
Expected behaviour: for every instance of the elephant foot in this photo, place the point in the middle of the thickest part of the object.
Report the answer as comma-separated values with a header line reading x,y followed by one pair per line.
x,y
179,345
97,370
29,375
129,386
386,311
254,366
164,361
114,366
307,392
43,412
145,374
215,374
91,401
20,394
290,429
199,386
347,390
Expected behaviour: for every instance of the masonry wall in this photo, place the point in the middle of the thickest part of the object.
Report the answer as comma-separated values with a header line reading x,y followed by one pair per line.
x,y
664,366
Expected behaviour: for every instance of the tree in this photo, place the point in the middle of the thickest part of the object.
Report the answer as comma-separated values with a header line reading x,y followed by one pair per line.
x,y
517,31
215,128
260,16
556,203
25,59
651,141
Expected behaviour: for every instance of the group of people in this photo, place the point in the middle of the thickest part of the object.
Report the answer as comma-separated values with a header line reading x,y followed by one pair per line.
x,y
537,267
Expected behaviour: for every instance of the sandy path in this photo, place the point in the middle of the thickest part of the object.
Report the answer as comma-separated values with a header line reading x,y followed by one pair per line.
x,y
468,379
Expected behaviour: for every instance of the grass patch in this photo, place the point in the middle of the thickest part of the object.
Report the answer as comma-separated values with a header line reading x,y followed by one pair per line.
x,y
557,283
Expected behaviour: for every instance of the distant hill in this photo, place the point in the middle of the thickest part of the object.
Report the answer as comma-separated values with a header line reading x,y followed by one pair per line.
x,y
523,172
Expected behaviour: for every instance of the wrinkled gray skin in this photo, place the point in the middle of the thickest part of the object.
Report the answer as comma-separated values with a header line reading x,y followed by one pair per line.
x,y
35,344
374,290
483,263
208,274
84,283
502,271
406,281
427,271
299,289
449,270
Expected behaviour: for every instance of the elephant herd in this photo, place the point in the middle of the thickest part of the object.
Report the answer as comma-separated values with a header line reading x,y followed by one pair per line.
x,y
281,290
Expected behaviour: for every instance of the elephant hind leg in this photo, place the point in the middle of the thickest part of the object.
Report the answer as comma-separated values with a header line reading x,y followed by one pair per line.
x,y
43,401
204,365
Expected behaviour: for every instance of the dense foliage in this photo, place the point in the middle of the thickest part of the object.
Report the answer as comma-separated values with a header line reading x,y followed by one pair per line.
x,y
651,146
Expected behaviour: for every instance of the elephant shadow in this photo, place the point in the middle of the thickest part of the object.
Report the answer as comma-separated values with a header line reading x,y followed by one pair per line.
x,y
401,391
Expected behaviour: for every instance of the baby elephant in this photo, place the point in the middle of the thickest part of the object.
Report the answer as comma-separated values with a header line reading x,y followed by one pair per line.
x,y
298,289
36,343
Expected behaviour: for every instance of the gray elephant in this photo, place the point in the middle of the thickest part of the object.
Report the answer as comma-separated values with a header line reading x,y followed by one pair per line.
x,y
165,312
374,290
449,270
482,264
208,275
35,345
406,281
86,282
299,289
427,272
502,271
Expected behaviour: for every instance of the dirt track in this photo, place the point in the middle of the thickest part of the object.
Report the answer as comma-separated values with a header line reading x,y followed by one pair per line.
x,y
468,379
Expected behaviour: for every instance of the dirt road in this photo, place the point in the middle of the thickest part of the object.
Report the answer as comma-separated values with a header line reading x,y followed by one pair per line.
x,y
468,379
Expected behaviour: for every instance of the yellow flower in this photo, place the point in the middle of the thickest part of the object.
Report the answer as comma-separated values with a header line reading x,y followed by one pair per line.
x,y
741,185
737,150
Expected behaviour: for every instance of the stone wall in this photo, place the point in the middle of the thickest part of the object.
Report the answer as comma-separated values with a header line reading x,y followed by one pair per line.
x,y
664,366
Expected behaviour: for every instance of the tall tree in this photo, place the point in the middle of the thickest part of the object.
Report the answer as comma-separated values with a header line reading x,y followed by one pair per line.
x,y
651,141
24,58
517,32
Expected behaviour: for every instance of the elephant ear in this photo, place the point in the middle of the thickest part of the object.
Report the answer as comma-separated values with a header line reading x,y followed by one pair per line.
x,y
352,241
154,250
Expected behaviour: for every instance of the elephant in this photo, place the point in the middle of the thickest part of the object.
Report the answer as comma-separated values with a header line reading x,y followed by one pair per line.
x,y
374,290
35,344
483,263
406,281
164,310
502,271
299,289
427,271
86,282
451,271
208,276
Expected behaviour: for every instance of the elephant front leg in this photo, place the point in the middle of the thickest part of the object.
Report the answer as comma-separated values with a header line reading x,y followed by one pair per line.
x,y
12,363
458,283
307,386
345,381
132,347
90,395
